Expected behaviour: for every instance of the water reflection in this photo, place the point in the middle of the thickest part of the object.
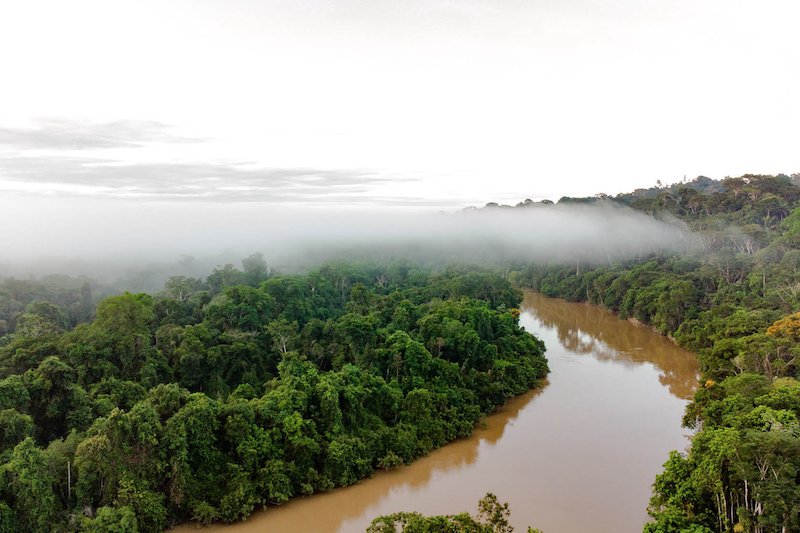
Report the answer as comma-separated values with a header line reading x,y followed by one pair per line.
x,y
586,329
327,512
579,454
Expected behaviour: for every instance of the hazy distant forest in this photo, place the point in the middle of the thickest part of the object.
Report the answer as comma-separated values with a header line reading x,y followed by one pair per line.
x,y
241,387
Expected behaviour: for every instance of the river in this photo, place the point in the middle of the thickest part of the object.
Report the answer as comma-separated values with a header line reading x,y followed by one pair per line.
x,y
579,454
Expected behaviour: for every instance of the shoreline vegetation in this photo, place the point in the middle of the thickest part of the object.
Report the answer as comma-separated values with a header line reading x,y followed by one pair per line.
x,y
734,303
492,518
212,398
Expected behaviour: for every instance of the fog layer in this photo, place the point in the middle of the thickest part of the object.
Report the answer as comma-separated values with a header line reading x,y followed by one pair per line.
x,y
107,239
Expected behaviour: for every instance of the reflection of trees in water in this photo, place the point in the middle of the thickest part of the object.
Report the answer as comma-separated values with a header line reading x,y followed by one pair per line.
x,y
582,328
498,422
453,456
463,452
326,512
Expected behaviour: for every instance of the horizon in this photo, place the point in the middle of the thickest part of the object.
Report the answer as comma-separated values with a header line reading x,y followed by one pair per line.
x,y
429,104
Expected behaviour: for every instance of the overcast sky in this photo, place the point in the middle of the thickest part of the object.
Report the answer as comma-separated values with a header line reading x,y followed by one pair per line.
x,y
440,103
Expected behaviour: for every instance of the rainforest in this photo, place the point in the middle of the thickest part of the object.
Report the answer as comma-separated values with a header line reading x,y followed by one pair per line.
x,y
245,390
242,388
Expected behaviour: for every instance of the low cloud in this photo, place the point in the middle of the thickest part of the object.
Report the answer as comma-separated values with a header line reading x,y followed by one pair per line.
x,y
105,238
43,160
221,182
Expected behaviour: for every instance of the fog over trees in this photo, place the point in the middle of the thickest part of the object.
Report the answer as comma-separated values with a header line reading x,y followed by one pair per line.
x,y
120,239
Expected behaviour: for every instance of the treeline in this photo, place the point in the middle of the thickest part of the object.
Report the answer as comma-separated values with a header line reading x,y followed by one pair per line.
x,y
736,306
751,197
217,396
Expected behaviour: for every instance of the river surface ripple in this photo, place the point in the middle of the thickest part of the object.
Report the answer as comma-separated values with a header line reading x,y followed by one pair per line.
x,y
578,455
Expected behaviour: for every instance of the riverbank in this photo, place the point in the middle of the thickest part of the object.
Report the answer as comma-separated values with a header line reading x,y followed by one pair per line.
x,y
593,438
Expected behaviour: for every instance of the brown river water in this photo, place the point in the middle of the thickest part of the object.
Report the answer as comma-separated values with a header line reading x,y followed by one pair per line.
x,y
578,455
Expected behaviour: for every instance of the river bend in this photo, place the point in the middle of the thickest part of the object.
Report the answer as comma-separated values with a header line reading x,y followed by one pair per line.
x,y
580,454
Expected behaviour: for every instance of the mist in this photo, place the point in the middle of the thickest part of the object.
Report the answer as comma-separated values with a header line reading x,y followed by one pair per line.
x,y
117,238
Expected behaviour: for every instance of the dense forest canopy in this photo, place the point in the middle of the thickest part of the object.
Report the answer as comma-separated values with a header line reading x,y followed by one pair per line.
x,y
214,397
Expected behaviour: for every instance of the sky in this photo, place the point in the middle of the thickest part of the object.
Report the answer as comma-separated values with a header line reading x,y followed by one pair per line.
x,y
433,104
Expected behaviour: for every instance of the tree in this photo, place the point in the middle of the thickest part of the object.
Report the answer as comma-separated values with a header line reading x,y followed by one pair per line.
x,y
786,328
14,428
255,269
178,287
492,518
57,403
30,325
112,520
13,393
25,481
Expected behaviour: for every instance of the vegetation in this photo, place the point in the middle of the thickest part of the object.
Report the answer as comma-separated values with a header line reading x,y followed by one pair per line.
x,y
52,304
492,518
734,301
244,389
218,395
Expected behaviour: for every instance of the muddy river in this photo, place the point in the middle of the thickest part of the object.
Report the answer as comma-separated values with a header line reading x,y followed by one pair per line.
x,y
580,454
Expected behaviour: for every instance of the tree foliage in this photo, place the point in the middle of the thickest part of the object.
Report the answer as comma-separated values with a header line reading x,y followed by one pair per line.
x,y
492,518
214,398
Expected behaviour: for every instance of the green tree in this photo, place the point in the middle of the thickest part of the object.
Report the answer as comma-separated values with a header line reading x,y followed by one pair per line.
x,y
112,520
255,269
26,483
492,518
